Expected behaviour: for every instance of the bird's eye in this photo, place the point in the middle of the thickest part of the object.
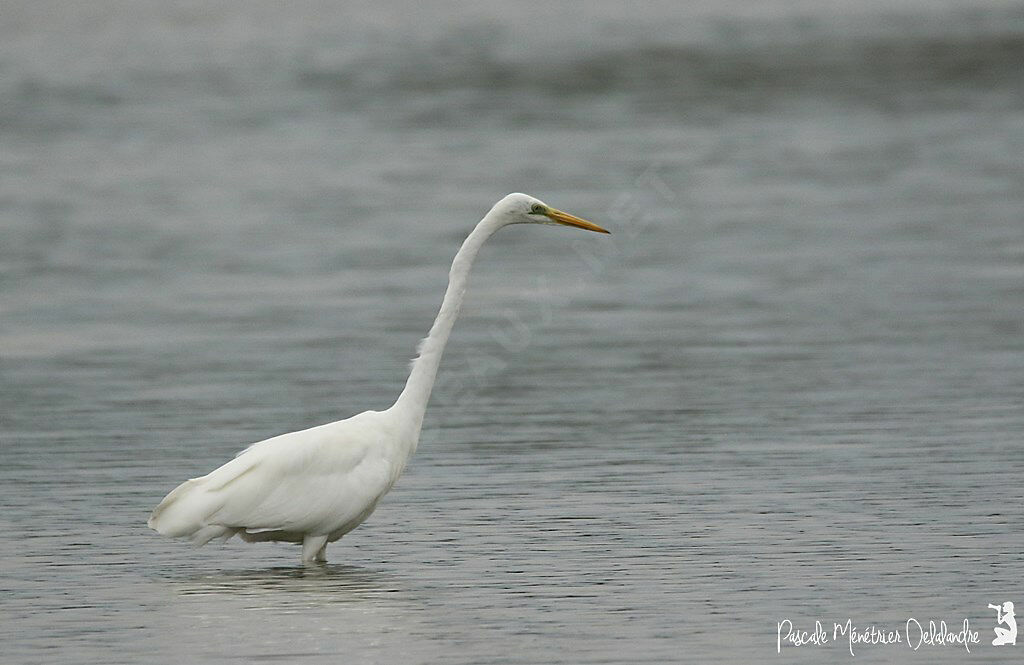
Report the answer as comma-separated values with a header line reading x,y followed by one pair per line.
x,y
536,208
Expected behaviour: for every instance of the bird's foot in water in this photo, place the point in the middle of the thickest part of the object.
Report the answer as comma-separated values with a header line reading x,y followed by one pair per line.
x,y
314,549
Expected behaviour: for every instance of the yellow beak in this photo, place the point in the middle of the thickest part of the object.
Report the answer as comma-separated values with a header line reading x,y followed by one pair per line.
x,y
571,220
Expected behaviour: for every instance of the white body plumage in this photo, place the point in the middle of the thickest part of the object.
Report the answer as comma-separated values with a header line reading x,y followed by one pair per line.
x,y
315,485
310,487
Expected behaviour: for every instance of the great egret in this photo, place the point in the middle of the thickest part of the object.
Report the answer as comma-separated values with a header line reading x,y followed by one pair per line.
x,y
316,485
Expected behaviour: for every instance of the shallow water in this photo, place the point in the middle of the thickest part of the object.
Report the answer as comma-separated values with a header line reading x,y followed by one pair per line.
x,y
789,385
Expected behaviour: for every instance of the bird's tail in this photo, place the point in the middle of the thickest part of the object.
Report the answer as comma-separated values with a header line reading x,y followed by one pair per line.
x,y
185,513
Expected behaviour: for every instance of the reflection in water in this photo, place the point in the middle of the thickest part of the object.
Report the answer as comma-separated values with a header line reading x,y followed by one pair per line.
x,y
330,583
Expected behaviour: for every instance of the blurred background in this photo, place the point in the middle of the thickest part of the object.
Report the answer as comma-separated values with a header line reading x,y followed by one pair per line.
x,y
789,385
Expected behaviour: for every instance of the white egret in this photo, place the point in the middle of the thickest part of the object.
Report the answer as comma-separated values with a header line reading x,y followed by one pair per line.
x,y
315,485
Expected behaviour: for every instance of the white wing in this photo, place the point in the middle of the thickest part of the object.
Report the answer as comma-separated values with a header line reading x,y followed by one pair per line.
x,y
313,481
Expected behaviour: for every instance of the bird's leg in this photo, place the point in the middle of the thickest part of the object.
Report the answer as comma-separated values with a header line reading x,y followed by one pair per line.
x,y
312,546
321,555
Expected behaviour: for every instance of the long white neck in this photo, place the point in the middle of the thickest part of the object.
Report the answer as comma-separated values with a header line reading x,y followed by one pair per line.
x,y
414,398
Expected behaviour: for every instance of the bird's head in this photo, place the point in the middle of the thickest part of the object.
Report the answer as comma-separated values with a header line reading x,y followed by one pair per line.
x,y
524,209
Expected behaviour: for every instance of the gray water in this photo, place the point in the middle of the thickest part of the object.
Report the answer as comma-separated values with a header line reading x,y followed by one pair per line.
x,y
789,385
